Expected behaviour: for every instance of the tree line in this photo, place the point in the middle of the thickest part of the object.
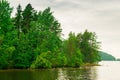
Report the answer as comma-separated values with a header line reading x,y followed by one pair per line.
x,y
32,39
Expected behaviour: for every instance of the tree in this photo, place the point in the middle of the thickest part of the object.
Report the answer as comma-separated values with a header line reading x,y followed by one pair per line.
x,y
5,17
48,31
42,61
48,22
72,51
28,16
18,19
89,46
26,43
7,34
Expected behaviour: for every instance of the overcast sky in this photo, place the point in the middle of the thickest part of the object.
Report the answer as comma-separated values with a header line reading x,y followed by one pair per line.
x,y
99,16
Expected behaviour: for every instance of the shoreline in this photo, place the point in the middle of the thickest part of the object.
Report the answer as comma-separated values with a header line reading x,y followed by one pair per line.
x,y
29,69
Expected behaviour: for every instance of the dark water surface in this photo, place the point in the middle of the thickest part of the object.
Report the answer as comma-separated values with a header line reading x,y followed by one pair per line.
x,y
108,71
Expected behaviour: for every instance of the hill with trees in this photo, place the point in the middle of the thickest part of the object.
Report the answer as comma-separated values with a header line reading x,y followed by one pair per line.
x,y
106,57
118,59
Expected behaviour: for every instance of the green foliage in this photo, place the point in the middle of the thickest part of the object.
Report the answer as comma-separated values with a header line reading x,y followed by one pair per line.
x,y
1,39
47,22
89,46
5,17
78,58
42,61
24,53
58,59
72,51
18,19
6,35
28,16
32,39
6,56
49,60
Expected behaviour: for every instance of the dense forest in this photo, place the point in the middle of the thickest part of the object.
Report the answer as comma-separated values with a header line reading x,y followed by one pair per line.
x,y
33,39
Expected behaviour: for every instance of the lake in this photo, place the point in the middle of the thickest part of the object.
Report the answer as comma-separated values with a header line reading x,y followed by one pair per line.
x,y
110,70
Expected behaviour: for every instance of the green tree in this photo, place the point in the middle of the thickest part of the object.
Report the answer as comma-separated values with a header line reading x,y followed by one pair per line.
x,y
7,35
28,15
48,30
47,38
72,51
18,19
48,22
26,50
24,53
5,17
89,46
42,61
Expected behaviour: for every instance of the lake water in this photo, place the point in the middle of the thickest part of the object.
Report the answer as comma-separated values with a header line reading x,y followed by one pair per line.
x,y
110,70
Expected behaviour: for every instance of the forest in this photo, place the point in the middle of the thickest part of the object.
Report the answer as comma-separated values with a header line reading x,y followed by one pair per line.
x,y
33,39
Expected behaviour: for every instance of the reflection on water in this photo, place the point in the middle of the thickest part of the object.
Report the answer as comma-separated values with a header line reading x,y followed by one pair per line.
x,y
28,74
87,73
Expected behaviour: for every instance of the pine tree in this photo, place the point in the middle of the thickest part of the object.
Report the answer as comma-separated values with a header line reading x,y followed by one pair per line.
x,y
27,18
18,19
5,17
